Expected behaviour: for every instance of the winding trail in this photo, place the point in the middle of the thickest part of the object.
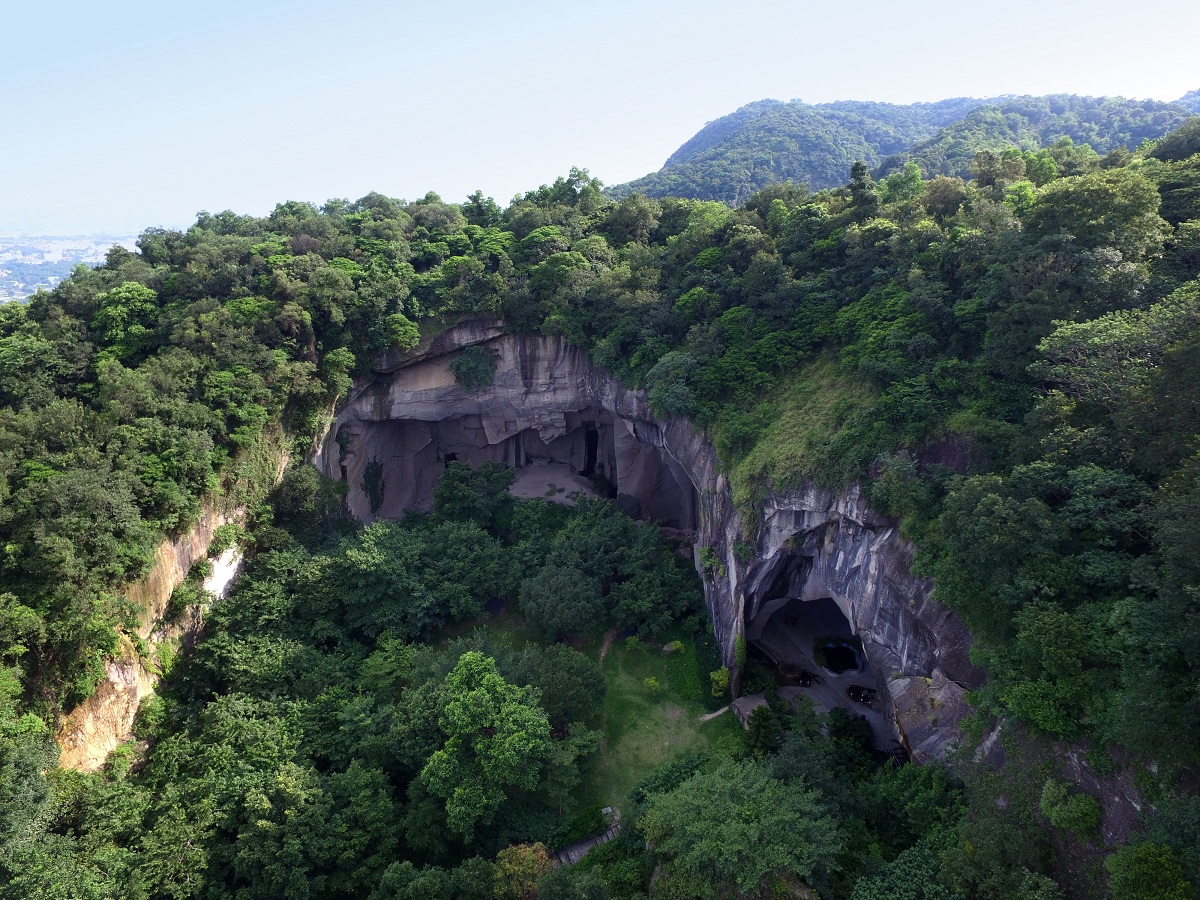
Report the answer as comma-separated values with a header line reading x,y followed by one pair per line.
x,y
609,637
713,715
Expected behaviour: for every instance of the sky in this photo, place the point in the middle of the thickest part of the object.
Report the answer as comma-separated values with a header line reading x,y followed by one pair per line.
x,y
124,115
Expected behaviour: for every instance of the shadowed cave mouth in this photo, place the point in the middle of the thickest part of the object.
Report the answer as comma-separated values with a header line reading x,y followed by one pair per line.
x,y
589,450
839,657
810,648
802,638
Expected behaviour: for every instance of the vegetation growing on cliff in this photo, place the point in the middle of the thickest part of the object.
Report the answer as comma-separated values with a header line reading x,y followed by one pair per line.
x,y
327,734
1009,364
316,744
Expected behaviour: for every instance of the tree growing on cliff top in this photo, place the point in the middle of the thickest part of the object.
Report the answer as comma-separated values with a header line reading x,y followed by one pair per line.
x,y
473,369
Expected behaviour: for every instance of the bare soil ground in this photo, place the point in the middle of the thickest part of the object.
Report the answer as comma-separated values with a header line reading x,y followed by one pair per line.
x,y
555,482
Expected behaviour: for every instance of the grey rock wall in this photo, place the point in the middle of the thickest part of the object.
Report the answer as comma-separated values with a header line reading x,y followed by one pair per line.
x,y
412,415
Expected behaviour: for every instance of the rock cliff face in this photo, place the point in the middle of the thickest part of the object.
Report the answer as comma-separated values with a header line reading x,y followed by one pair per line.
x,y
548,403
105,720
815,544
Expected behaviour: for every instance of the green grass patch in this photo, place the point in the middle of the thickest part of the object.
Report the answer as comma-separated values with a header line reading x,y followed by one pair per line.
x,y
820,427
644,729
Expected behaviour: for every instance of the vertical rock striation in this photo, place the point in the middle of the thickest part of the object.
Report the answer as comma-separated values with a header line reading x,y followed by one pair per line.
x,y
549,403
105,720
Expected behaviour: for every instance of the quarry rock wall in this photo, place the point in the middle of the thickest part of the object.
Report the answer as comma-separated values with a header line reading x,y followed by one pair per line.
x,y
549,404
92,730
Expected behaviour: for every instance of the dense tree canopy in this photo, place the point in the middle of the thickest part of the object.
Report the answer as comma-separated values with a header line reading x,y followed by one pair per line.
x,y
1005,356
769,142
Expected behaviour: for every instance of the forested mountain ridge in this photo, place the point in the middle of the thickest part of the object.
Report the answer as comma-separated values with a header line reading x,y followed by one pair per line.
x,y
1042,317
770,141
888,124
1031,123
1190,100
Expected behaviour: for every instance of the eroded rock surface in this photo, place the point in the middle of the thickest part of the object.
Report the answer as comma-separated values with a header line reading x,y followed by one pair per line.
x,y
548,403
813,544
91,731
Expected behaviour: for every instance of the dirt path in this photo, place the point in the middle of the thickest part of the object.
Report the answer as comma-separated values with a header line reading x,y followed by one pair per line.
x,y
609,637
713,715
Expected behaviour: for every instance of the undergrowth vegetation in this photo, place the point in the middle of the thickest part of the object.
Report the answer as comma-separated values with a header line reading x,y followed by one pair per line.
x,y
1007,366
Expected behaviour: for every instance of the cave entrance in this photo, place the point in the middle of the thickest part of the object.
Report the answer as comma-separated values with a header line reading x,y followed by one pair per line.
x,y
588,450
813,635
811,649
837,657
591,443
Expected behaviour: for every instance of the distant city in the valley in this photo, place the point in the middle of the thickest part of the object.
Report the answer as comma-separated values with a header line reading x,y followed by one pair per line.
x,y
32,262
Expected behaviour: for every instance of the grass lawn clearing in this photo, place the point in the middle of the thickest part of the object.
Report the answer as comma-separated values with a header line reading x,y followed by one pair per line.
x,y
644,729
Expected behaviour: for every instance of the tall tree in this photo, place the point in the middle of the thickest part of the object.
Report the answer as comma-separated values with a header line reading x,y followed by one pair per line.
x,y
497,740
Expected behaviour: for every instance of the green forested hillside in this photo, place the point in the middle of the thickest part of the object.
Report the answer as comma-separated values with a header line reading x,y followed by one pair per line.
x,y
1031,123
1008,365
769,142
1190,100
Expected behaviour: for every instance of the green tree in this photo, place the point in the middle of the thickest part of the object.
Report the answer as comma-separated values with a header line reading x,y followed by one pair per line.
x,y
1075,812
736,827
1110,360
1115,208
518,868
904,185
474,369
125,319
571,883
912,875
561,601
1147,871
496,740
479,495
572,686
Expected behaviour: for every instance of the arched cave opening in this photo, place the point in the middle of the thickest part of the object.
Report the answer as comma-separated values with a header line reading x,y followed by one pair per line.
x,y
588,450
802,636
812,634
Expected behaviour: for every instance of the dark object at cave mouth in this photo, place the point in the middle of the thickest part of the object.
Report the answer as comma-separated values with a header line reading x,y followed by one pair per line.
x,y
840,658
790,673
591,442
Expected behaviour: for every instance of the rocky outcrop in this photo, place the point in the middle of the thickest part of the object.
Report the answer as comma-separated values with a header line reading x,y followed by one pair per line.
x,y
548,402
105,720
812,544
172,561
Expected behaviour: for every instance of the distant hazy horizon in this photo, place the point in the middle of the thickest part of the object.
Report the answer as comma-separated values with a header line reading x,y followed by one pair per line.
x,y
131,115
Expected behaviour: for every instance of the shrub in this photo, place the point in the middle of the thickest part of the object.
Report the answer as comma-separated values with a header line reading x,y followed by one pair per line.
x,y
226,536
474,369
1077,813
1147,872
719,679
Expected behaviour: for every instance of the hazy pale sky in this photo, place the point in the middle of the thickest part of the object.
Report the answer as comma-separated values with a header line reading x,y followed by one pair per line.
x,y
124,115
